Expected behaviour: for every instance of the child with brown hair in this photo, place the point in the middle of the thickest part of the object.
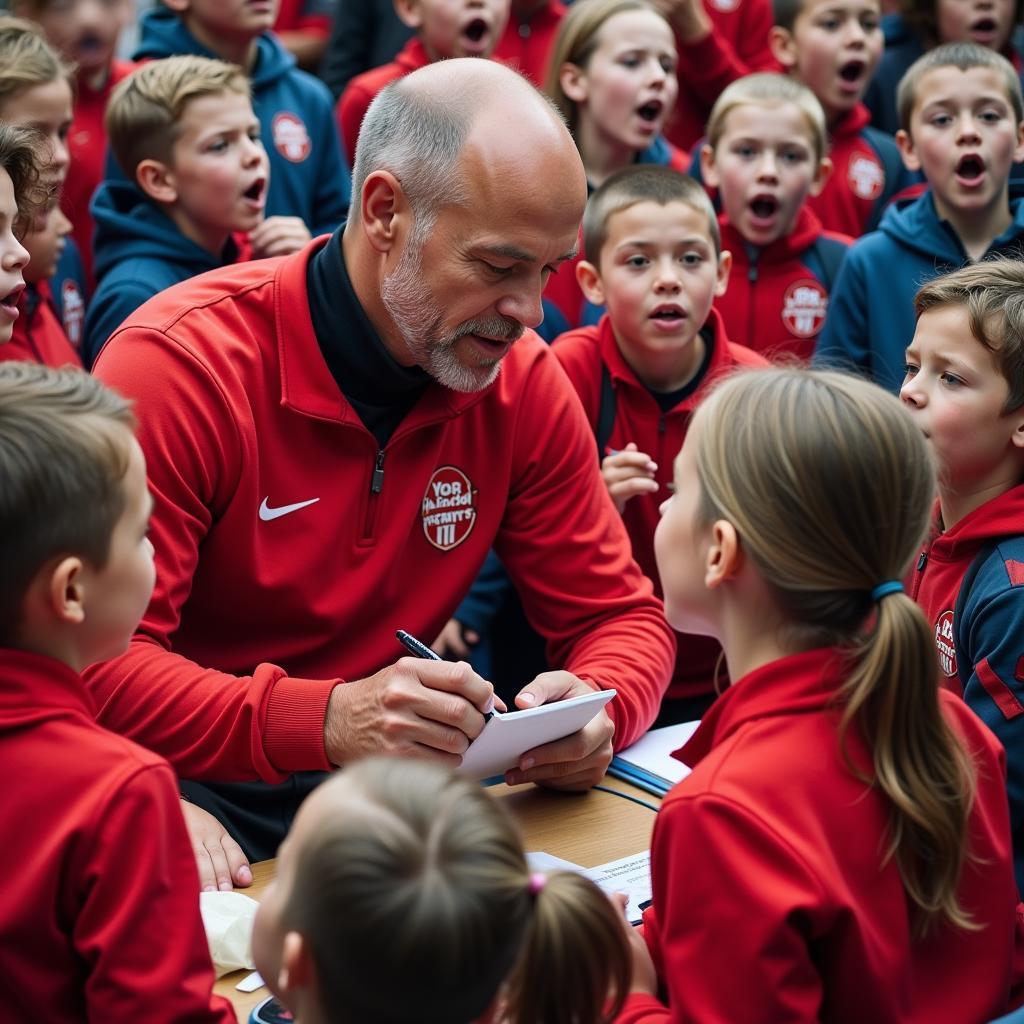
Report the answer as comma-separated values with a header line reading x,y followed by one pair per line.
x,y
403,896
20,194
842,844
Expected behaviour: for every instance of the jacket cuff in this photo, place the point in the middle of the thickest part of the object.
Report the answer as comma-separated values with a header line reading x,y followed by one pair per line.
x,y
293,733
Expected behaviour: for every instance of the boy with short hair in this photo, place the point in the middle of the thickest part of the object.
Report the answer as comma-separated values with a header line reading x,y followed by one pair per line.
x,y
964,386
833,47
765,153
100,921
310,183
85,33
961,109
184,129
444,29
654,259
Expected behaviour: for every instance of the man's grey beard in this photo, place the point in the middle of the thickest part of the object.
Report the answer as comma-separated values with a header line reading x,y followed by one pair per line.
x,y
418,318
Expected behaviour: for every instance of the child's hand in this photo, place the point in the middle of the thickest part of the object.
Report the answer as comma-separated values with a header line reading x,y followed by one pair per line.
x,y
220,860
645,977
688,18
278,236
627,474
455,641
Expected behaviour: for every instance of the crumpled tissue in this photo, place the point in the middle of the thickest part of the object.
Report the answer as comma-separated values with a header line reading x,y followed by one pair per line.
x,y
228,918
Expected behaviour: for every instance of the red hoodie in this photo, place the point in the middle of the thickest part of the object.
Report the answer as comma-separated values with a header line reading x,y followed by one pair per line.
x,y
526,44
38,336
776,301
362,90
639,418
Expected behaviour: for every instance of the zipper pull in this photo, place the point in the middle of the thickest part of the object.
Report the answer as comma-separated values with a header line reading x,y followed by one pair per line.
x,y
922,560
661,424
377,481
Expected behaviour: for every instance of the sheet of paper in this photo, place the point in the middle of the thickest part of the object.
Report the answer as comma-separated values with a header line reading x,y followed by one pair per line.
x,y
631,875
653,751
505,738
251,982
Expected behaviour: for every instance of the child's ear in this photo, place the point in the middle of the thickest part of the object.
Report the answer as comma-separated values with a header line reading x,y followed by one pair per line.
x,y
707,166
409,13
783,46
178,6
824,173
1017,438
1018,153
907,151
573,80
588,277
724,556
724,269
156,179
297,972
65,592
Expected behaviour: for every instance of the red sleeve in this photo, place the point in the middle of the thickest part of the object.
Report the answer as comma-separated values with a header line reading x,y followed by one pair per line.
x,y
589,598
138,927
208,724
705,846
350,111
580,357
737,45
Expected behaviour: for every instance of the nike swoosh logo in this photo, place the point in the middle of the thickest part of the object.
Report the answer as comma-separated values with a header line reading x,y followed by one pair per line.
x,y
267,513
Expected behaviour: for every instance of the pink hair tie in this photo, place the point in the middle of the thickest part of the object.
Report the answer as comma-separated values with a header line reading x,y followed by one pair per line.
x,y
537,882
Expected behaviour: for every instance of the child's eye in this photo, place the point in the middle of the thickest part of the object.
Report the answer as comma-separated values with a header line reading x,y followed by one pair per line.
x,y
793,156
950,380
218,146
909,370
990,116
746,152
629,61
668,65
870,23
692,259
940,120
637,262
829,24
254,135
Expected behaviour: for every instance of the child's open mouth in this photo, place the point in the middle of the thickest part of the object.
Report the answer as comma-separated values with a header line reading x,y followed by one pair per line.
x,y
983,30
475,32
10,300
650,111
254,193
668,315
970,170
764,207
852,72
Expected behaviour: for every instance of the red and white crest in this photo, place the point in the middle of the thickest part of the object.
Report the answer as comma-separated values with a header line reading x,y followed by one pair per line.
x,y
291,139
725,6
945,644
449,508
866,177
73,312
804,307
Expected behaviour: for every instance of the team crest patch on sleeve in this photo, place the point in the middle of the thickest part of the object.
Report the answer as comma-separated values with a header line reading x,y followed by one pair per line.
x,y
449,508
944,643
804,307
291,139
72,312
866,177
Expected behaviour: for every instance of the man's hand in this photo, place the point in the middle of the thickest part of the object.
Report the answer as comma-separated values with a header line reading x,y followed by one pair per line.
x,y
453,640
220,860
418,707
628,473
278,236
578,761
688,18
645,977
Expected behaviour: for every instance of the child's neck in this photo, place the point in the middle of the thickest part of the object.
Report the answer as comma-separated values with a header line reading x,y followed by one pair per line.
x,y
240,50
602,157
213,241
751,637
978,229
955,505
669,371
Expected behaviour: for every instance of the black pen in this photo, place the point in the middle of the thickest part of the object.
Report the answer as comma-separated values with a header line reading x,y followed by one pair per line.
x,y
421,650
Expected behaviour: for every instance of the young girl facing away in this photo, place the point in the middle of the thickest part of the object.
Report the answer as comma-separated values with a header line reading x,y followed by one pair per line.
x,y
613,77
841,850
403,895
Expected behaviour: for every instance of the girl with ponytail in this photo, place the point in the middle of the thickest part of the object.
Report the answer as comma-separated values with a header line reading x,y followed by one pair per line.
x,y
403,897
841,850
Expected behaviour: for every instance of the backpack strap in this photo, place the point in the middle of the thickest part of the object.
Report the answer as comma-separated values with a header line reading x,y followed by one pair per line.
x,y
605,412
963,670
823,257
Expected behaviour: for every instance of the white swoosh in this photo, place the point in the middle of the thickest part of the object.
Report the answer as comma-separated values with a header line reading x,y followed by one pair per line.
x,y
267,513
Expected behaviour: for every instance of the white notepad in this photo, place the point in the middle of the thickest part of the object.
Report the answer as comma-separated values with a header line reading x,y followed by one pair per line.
x,y
505,738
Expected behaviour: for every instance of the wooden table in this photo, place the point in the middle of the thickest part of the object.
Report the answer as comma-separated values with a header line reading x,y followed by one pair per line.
x,y
588,828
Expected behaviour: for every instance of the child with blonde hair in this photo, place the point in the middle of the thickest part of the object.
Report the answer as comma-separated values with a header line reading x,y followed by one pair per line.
x,y
844,832
403,896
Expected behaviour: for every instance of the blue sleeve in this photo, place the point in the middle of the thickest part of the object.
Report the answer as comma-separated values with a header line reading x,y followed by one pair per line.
x,y
333,186
485,597
109,308
992,635
844,343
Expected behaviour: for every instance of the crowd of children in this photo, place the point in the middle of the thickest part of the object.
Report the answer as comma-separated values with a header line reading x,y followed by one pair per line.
x,y
794,208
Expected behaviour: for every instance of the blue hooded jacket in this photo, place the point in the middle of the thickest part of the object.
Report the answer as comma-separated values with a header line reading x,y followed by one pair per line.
x,y
139,252
308,175
870,320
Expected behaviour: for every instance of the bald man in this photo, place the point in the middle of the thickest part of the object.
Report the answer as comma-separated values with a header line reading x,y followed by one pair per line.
x,y
334,441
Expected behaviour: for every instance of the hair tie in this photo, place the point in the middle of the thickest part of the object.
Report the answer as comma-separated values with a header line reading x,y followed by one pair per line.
x,y
537,882
885,589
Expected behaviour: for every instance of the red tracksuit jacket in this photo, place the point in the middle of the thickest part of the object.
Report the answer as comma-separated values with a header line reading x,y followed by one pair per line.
x,y
241,419
773,900
526,45
87,144
775,303
362,90
639,418
99,916
38,336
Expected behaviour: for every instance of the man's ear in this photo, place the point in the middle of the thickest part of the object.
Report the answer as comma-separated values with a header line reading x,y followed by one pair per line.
x,y
707,166
588,277
409,12
907,151
783,46
383,208
724,269
573,80
724,556
157,180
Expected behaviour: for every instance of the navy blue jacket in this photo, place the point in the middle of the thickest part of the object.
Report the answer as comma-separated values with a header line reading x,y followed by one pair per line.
x,y
139,252
870,319
308,175
70,293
